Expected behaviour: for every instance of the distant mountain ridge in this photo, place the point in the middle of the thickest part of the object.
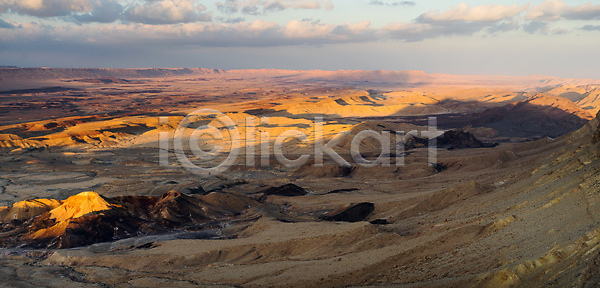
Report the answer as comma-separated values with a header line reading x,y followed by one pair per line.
x,y
71,73
370,78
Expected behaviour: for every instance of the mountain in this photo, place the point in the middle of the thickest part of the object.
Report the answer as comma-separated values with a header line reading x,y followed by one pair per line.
x,y
27,209
79,205
559,217
90,73
585,96
88,217
538,116
376,78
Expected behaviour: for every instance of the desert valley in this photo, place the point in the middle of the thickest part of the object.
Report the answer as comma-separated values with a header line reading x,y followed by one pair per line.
x,y
103,180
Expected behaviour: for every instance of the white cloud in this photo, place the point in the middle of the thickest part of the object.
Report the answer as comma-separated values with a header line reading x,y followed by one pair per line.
x,y
552,10
549,10
166,12
463,12
459,20
305,29
45,8
258,33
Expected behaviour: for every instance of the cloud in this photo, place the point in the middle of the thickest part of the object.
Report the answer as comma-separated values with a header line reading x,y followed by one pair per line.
x,y
251,10
549,10
401,3
277,6
536,26
504,26
459,20
228,7
4,24
416,31
559,31
166,12
45,8
29,33
306,30
108,11
590,28
259,7
462,12
583,12
104,11
230,20
258,33
552,10
164,23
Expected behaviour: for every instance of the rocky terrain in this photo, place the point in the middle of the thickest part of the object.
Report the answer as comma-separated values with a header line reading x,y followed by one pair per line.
x,y
94,192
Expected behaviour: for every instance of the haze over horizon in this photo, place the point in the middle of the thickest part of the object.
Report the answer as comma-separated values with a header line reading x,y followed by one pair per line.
x,y
514,38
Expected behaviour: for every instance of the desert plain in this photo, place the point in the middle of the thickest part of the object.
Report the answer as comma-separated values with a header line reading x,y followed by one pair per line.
x,y
94,192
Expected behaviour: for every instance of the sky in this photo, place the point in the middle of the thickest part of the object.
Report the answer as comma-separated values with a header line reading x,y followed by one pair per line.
x,y
545,37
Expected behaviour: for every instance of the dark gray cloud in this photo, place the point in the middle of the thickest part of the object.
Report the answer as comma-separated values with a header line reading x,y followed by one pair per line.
x,y
227,7
261,7
275,6
535,27
251,10
312,21
104,11
166,12
230,20
591,28
593,13
504,26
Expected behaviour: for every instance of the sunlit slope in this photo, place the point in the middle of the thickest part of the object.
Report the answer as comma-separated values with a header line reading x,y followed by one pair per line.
x,y
585,96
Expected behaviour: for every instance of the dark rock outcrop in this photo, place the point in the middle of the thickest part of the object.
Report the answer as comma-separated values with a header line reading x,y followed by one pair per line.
x,y
289,190
458,139
354,213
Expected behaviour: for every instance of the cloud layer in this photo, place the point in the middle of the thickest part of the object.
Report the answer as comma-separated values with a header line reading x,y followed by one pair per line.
x,y
45,8
167,12
259,7
224,24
